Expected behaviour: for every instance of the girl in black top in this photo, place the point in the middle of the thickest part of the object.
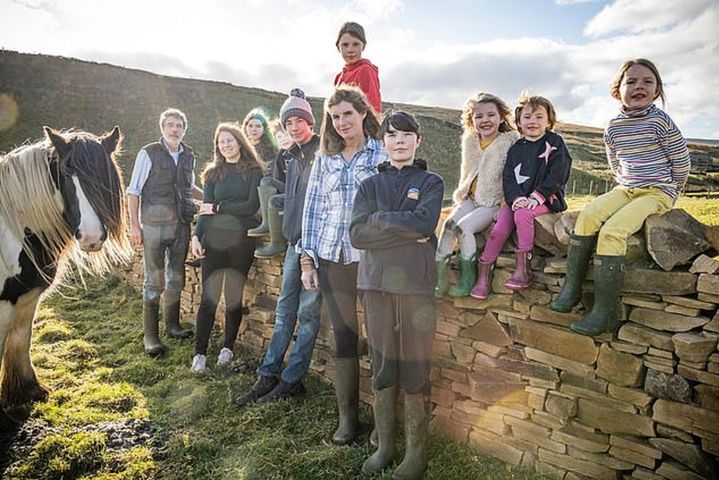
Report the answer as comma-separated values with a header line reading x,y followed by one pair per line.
x,y
220,238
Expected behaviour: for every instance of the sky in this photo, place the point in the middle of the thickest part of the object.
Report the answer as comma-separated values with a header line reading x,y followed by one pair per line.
x,y
435,53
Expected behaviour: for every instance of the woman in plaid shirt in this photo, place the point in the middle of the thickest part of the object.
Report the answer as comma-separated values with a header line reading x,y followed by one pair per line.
x,y
350,150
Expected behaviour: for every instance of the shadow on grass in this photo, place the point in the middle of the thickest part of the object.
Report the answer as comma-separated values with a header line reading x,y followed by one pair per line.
x,y
117,414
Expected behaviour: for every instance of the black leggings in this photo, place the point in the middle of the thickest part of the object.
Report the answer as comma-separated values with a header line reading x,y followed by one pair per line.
x,y
228,256
338,285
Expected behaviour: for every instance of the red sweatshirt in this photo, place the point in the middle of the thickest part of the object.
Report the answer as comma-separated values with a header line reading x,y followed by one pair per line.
x,y
366,76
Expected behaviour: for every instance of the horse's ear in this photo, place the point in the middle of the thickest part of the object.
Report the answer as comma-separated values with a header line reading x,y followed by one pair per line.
x,y
111,140
58,141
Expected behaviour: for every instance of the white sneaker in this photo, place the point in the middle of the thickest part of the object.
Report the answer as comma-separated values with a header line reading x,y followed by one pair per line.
x,y
199,364
224,357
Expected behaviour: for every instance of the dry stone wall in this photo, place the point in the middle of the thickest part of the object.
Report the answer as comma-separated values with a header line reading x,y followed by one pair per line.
x,y
514,382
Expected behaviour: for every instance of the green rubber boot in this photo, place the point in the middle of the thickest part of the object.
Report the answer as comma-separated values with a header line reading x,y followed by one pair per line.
x,y
347,392
264,192
580,251
277,244
442,281
608,279
151,328
467,277
415,434
383,408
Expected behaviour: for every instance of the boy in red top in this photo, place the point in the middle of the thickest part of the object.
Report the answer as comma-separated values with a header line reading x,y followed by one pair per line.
x,y
359,71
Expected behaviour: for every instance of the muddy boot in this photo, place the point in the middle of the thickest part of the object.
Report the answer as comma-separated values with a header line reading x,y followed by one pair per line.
x,y
608,279
483,286
580,251
264,192
277,244
383,408
262,387
415,433
151,327
467,277
173,329
347,392
522,277
442,282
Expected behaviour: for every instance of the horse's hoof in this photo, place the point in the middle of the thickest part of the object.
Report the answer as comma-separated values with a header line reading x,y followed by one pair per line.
x,y
30,393
38,393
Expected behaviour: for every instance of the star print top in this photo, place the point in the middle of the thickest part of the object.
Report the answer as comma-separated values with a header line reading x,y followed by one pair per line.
x,y
539,169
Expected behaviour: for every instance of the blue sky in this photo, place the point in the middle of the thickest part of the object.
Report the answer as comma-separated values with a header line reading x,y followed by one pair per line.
x,y
428,52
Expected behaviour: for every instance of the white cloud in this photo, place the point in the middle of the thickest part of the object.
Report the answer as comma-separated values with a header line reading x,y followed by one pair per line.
x,y
279,45
572,2
641,15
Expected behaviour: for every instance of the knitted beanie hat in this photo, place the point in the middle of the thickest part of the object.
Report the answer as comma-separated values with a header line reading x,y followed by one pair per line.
x,y
296,106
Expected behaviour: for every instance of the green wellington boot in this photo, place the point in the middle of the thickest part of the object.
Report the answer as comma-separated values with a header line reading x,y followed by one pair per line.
x,y
264,192
608,279
347,392
384,407
277,244
415,434
580,251
467,277
151,328
442,281
173,328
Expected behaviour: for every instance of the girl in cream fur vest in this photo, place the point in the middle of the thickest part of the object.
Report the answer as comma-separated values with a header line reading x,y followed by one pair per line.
x,y
487,136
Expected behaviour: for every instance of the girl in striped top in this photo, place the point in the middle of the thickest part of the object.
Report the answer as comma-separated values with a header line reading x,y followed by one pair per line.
x,y
650,161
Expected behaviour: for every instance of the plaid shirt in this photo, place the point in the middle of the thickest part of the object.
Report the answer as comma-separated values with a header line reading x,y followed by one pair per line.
x,y
331,191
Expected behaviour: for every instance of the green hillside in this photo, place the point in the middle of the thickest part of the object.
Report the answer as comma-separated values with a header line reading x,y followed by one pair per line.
x,y
68,93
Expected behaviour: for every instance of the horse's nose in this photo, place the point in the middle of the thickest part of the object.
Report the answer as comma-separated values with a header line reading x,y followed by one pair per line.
x,y
90,243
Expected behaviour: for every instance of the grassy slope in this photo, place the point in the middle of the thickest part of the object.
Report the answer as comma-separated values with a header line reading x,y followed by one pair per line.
x,y
66,93
88,349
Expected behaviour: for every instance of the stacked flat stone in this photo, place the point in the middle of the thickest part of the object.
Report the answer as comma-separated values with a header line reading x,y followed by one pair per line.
x,y
514,382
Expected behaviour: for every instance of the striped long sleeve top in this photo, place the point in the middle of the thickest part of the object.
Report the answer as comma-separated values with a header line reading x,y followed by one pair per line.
x,y
646,149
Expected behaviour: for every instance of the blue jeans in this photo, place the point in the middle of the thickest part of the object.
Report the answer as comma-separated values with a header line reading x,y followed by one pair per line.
x,y
165,251
294,303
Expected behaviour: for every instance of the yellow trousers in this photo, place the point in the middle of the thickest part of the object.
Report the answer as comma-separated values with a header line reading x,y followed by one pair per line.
x,y
618,214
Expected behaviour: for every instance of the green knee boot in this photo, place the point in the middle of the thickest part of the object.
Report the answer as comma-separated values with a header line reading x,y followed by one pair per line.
x,y
277,244
580,251
347,393
467,277
264,192
416,421
383,408
608,279
442,281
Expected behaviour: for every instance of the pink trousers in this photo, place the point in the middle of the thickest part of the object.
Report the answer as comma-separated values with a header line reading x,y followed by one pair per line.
x,y
522,220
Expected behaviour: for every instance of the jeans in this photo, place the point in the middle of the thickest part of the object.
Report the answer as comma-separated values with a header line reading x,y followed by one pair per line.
x,y
165,251
294,303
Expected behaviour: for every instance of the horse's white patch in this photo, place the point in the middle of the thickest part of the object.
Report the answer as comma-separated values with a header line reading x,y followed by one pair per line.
x,y
10,248
90,228
7,310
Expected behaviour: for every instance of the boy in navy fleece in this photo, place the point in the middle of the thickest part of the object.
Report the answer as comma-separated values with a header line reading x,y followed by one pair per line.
x,y
394,217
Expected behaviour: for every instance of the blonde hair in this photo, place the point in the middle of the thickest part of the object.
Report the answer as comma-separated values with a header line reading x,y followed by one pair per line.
x,y
467,116
614,87
27,187
331,143
534,102
219,168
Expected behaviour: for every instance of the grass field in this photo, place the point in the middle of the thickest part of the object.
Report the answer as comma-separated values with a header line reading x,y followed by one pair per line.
x,y
177,425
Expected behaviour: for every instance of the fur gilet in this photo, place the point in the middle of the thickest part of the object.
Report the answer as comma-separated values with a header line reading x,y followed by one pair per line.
x,y
484,165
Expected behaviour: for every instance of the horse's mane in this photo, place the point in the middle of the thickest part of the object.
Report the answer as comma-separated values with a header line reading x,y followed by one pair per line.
x,y
29,200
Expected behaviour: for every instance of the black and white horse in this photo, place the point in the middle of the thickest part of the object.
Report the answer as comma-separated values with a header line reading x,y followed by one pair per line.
x,y
55,195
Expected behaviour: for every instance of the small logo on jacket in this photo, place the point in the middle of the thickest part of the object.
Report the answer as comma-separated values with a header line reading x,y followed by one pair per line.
x,y
413,193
